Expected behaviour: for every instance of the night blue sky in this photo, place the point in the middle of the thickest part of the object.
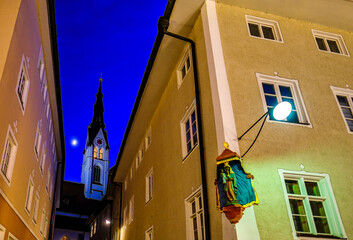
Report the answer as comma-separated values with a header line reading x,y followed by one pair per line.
x,y
111,37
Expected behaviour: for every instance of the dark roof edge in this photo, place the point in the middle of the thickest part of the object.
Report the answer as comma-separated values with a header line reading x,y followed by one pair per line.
x,y
55,58
157,44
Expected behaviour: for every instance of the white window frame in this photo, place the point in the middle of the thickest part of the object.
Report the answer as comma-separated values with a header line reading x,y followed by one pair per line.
x,y
131,209
35,208
139,156
193,197
297,97
29,195
327,197
149,186
125,217
126,181
148,139
348,93
95,227
46,227
91,232
147,232
132,170
2,232
42,222
10,139
11,237
38,140
187,117
264,22
26,85
48,181
183,63
333,37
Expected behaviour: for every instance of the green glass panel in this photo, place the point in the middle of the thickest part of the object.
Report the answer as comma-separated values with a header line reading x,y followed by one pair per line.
x,y
297,206
321,225
317,208
312,188
301,224
292,186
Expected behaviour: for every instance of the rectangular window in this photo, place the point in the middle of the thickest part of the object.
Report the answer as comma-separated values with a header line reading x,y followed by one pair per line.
x,y
126,181
91,232
194,217
311,204
149,234
22,87
139,156
132,170
95,227
42,222
275,90
35,208
8,155
42,160
46,228
189,130
131,210
263,28
149,186
344,99
11,237
148,138
38,139
29,196
2,232
184,66
48,182
330,42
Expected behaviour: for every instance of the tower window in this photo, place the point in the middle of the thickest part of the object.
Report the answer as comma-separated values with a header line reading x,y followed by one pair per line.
x,y
330,42
22,85
95,152
264,28
101,153
97,174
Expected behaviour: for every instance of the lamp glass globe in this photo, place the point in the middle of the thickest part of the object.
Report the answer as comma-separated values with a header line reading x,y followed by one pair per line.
x,y
282,110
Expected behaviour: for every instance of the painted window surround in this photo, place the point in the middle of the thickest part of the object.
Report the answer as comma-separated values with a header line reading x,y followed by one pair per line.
x,y
331,36
346,93
265,22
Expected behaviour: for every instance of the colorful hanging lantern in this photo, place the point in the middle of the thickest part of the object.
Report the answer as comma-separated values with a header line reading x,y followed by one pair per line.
x,y
234,186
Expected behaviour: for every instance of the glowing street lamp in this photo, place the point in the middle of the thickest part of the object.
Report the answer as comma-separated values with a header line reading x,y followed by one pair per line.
x,y
280,112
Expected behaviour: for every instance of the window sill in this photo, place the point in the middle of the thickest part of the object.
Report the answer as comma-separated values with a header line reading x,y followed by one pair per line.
x,y
292,123
97,183
303,236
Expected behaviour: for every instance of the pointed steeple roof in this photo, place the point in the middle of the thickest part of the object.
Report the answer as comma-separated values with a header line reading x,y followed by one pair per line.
x,y
98,118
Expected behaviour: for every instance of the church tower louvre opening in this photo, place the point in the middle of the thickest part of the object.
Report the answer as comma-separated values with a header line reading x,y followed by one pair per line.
x,y
95,164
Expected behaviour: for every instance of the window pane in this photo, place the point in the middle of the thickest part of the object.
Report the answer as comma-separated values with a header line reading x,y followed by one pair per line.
x,y
333,46
343,101
350,124
312,188
347,112
183,72
321,225
293,117
188,63
292,187
193,118
200,202
268,32
194,221
297,206
254,30
193,207
317,208
321,44
301,224
269,88
271,100
285,91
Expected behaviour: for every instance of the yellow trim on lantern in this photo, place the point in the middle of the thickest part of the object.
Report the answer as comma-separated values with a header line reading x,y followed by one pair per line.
x,y
228,160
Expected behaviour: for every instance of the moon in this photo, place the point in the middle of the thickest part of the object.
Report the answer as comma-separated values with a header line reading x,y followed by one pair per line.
x,y
74,142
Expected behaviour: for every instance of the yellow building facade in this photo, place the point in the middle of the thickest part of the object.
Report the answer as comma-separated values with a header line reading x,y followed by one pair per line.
x,y
31,129
249,56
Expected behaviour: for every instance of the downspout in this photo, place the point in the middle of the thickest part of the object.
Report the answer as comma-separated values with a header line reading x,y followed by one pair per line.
x,y
163,24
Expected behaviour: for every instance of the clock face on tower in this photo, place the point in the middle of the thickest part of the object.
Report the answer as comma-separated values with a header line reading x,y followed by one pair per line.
x,y
99,141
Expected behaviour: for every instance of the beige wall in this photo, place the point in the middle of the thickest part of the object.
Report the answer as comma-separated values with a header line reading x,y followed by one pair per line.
x,y
26,41
324,148
173,179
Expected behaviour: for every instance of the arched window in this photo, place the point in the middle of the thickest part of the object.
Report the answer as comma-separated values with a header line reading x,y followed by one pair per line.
x,y
95,150
97,174
101,153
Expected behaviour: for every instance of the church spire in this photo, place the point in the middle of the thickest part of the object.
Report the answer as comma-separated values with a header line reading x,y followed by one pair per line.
x,y
98,111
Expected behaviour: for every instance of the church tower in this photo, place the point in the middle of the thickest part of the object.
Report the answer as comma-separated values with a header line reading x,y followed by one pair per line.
x,y
95,164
